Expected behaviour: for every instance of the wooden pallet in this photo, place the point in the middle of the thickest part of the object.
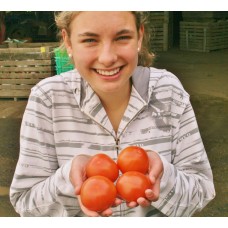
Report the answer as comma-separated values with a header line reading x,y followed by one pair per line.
x,y
32,45
203,36
23,67
204,16
160,30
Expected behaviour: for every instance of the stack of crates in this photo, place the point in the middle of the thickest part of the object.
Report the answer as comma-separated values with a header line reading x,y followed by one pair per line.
x,y
160,27
23,65
62,60
204,31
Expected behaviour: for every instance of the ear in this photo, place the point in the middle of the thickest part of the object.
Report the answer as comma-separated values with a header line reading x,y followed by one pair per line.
x,y
67,42
141,33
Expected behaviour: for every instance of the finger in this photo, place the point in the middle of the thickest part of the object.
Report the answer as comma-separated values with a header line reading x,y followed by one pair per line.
x,y
153,194
107,212
132,204
152,178
143,202
149,194
78,184
156,166
77,178
117,202
86,210
156,190
77,173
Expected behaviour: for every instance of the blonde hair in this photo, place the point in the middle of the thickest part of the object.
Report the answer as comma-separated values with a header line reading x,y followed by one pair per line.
x,y
63,21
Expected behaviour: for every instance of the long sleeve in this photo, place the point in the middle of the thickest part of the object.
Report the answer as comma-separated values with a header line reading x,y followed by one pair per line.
x,y
54,130
187,183
40,187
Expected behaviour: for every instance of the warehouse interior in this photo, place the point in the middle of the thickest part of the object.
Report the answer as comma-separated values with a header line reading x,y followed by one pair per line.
x,y
167,28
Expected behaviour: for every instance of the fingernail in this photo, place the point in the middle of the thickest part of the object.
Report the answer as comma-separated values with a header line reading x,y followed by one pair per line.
x,y
150,194
152,179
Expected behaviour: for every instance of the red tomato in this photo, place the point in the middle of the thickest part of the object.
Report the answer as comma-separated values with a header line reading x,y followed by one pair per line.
x,y
98,193
132,185
133,158
102,164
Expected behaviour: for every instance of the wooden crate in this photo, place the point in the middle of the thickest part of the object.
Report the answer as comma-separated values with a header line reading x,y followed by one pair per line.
x,y
203,36
33,45
22,67
204,16
160,29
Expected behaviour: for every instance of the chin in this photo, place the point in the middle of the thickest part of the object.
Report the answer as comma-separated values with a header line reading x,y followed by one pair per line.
x,y
110,89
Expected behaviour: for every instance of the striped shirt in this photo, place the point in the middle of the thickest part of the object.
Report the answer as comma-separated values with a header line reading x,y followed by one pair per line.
x,y
64,118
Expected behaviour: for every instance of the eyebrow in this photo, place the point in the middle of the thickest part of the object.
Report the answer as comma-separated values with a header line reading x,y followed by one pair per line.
x,y
91,34
124,31
88,34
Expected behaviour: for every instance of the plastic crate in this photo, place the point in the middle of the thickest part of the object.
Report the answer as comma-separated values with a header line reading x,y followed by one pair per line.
x,y
62,60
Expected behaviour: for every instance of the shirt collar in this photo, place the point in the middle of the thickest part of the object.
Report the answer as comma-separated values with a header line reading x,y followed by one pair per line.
x,y
91,105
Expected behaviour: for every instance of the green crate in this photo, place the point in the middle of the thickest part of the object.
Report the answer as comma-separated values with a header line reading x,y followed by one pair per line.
x,y
62,60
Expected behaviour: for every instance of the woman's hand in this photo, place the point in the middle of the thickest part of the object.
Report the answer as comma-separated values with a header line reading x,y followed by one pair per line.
x,y
105,213
78,171
155,174
77,177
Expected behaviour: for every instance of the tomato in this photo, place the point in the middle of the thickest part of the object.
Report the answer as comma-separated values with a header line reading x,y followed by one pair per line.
x,y
98,193
133,158
102,164
132,185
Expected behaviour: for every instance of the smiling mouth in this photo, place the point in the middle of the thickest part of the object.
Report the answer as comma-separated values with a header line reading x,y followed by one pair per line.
x,y
108,72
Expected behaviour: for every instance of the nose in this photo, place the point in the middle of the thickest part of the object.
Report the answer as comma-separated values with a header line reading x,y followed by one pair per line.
x,y
107,55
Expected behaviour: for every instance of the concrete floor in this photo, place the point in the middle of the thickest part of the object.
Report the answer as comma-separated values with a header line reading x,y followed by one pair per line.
x,y
204,76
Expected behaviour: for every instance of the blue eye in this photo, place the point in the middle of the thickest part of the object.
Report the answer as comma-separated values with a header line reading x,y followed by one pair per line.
x,y
123,38
89,40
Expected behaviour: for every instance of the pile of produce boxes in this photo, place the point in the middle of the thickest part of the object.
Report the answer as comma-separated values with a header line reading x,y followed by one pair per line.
x,y
204,31
24,65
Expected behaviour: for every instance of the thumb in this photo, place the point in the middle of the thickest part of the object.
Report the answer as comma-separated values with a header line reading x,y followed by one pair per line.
x,y
156,166
77,172
78,183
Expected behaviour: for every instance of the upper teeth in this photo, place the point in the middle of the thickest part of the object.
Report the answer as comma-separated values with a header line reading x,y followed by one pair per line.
x,y
107,73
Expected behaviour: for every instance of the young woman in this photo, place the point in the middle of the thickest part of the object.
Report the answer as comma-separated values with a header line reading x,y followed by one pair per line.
x,y
112,99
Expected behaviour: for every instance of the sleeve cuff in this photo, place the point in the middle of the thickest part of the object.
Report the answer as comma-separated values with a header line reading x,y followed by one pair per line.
x,y
167,171
64,184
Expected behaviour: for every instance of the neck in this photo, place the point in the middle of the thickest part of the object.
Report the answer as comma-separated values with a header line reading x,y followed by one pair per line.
x,y
112,101
115,105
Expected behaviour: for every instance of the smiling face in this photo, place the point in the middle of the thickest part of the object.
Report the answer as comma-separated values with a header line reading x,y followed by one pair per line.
x,y
104,46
